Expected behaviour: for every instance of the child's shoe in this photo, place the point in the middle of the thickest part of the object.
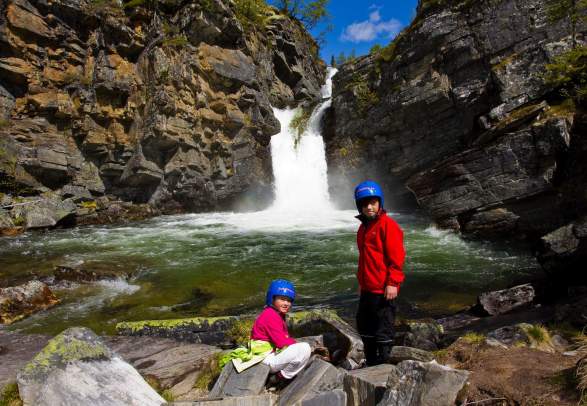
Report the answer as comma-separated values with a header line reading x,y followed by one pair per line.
x,y
277,381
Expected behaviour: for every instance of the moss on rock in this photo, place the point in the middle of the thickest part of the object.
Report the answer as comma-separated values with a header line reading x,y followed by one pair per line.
x,y
169,324
74,344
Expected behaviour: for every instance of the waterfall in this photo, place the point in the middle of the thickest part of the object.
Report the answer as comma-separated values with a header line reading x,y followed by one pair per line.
x,y
300,172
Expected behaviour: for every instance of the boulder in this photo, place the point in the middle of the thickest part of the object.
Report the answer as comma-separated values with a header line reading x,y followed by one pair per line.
x,y
249,382
399,354
174,365
76,368
62,273
336,397
259,400
522,334
312,384
46,212
415,383
365,387
205,330
503,301
21,301
343,342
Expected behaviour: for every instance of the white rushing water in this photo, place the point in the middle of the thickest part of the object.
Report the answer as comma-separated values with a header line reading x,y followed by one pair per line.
x,y
300,171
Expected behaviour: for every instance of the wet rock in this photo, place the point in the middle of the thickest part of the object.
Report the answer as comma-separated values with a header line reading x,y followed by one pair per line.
x,y
249,382
76,367
415,383
21,301
312,385
503,301
342,341
522,334
63,273
366,386
399,354
457,321
204,330
259,400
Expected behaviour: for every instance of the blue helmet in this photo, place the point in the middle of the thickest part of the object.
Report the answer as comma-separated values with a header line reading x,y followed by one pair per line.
x,y
368,188
280,287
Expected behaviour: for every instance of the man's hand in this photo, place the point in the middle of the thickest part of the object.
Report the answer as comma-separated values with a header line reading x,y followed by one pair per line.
x,y
390,292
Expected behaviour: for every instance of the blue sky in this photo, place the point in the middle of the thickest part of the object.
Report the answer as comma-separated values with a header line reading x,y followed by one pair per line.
x,y
359,24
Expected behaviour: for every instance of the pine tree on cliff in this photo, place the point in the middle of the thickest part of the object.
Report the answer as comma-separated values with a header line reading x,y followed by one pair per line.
x,y
572,10
309,12
333,62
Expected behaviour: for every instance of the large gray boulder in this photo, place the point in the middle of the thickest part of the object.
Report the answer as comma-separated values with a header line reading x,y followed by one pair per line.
x,y
503,301
77,368
312,385
365,387
258,400
249,382
415,383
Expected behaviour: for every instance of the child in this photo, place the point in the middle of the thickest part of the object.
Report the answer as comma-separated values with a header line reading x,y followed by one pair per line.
x,y
380,274
288,357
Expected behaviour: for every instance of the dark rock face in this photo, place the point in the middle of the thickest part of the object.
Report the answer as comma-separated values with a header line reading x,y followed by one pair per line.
x,y
170,107
457,115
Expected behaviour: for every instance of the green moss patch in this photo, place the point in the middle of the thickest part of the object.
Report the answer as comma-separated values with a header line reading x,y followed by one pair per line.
x,y
136,326
73,344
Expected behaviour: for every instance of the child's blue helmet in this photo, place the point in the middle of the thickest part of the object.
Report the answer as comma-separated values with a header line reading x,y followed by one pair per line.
x,y
280,287
365,189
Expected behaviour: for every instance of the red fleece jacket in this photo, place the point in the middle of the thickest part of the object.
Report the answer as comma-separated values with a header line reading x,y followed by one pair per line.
x,y
381,254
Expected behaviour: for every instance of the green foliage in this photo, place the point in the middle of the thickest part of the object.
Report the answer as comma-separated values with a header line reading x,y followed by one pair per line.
x,y
538,334
240,332
89,205
568,72
19,221
309,12
251,13
342,58
365,96
4,123
167,395
10,395
571,10
375,48
300,123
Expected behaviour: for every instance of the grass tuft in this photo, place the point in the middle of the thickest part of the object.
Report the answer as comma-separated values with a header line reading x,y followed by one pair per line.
x,y
473,338
240,332
10,395
210,373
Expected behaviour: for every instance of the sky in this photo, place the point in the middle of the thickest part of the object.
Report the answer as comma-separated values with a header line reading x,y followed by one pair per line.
x,y
360,24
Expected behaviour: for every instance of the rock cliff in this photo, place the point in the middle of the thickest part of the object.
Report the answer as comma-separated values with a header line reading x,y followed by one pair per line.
x,y
166,103
456,114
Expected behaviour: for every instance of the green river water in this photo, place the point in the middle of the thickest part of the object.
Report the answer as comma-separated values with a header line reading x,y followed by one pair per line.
x,y
220,263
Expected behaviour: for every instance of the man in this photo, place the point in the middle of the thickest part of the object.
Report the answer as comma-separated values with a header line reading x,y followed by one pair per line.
x,y
380,274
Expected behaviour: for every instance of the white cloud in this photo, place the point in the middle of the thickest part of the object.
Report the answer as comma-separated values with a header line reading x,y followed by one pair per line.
x,y
368,30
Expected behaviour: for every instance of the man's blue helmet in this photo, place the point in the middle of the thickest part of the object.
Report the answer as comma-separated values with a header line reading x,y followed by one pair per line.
x,y
365,189
280,287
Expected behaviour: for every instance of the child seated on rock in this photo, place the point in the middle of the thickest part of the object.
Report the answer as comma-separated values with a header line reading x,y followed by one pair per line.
x,y
287,357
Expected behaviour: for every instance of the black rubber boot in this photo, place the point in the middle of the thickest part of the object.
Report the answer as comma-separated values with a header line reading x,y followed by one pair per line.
x,y
384,353
370,349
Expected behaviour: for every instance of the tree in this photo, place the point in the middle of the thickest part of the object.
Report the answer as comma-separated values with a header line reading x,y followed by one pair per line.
x,y
573,10
332,61
309,12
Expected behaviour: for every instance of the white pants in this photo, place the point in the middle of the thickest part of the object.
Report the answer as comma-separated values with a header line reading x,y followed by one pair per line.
x,y
289,361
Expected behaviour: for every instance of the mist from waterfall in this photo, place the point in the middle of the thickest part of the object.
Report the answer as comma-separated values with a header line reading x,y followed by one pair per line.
x,y
299,162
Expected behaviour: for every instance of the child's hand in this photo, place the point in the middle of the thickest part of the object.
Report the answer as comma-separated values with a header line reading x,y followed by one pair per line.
x,y
390,292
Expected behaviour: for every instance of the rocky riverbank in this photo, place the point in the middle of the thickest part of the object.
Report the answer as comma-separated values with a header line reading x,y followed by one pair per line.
x,y
110,113
525,352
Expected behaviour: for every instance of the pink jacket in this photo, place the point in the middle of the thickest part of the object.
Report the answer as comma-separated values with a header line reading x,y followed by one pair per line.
x,y
270,326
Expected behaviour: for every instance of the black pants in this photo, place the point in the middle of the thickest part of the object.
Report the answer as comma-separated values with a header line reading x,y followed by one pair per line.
x,y
375,322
